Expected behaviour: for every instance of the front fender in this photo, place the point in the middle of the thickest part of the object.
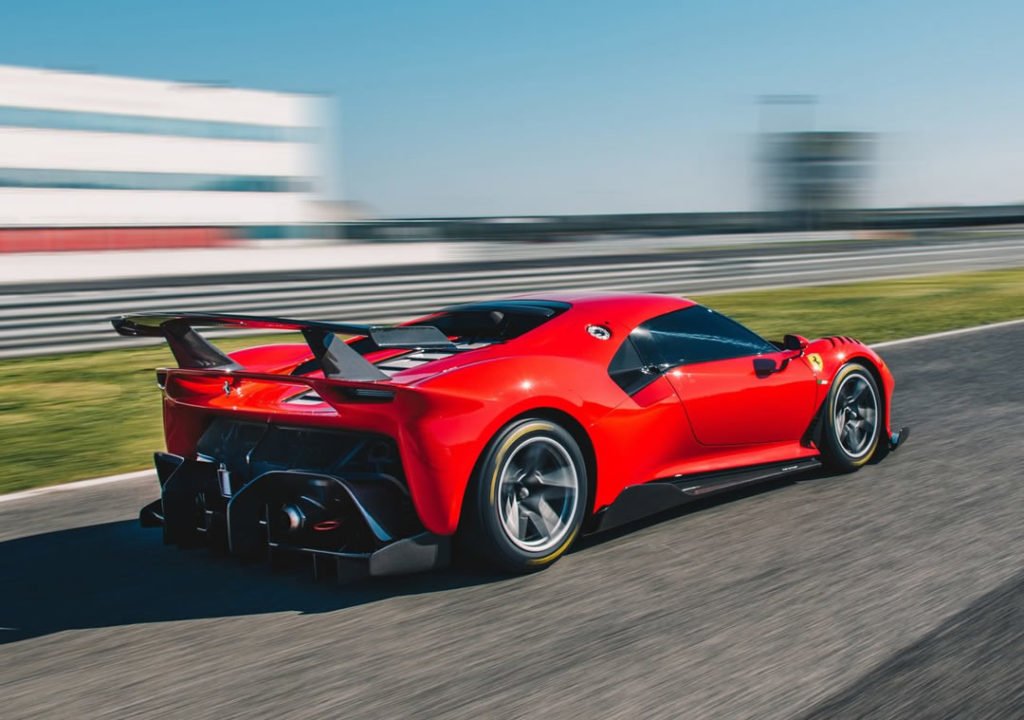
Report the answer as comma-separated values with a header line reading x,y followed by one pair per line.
x,y
836,351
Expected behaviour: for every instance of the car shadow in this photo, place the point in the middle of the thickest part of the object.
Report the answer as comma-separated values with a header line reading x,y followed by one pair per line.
x,y
696,506
120,574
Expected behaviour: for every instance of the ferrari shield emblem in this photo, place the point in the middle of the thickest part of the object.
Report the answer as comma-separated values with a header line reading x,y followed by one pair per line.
x,y
814,359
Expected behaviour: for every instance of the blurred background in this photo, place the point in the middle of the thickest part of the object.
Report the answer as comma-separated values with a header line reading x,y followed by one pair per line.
x,y
182,147
812,167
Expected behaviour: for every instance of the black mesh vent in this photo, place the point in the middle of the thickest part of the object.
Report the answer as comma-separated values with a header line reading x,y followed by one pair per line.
x,y
250,449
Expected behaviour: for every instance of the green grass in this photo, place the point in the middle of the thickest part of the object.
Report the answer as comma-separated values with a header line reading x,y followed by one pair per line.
x,y
880,310
89,414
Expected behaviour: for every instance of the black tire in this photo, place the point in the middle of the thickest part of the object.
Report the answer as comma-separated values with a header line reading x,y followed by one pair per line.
x,y
852,419
509,507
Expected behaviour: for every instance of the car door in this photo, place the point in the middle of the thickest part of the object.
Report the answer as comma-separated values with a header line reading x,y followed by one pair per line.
x,y
709,361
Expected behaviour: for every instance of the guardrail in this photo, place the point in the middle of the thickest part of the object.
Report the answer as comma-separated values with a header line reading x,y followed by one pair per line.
x,y
547,228
43,321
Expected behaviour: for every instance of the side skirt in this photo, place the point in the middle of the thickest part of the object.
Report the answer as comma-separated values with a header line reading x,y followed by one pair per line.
x,y
639,501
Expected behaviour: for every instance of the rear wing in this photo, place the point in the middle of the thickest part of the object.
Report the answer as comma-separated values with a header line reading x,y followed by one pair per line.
x,y
339,360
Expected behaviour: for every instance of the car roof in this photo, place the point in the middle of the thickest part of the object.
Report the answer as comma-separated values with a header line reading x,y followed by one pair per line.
x,y
624,309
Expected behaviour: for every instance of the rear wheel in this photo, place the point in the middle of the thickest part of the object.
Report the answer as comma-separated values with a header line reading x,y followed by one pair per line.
x,y
528,497
852,417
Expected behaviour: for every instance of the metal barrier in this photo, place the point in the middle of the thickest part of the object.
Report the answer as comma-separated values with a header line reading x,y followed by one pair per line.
x,y
44,321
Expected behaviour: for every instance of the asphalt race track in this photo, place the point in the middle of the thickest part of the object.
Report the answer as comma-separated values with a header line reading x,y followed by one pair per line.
x,y
896,592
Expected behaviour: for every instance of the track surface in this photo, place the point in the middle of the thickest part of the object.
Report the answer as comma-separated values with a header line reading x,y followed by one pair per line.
x,y
897,592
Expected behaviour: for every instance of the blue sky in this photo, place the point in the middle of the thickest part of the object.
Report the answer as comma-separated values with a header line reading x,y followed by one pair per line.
x,y
453,107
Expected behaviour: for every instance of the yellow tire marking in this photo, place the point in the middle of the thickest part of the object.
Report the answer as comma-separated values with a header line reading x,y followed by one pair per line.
x,y
505,447
557,553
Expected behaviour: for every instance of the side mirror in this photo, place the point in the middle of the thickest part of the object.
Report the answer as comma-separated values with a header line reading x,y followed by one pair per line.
x,y
764,366
795,342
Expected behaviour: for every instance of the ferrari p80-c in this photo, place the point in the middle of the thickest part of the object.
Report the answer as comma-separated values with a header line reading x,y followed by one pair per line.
x,y
504,429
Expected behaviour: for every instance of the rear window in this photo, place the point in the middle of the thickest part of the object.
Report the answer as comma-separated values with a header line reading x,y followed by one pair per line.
x,y
492,322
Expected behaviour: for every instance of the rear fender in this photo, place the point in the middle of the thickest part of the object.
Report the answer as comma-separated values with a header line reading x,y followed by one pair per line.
x,y
461,411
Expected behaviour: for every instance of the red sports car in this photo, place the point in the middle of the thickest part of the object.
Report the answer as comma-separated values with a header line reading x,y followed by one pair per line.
x,y
510,426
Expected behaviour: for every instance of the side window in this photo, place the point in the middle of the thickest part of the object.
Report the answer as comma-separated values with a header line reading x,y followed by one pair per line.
x,y
626,368
697,334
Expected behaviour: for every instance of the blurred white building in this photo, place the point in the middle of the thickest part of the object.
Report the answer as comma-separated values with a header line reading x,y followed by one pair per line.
x,y
93,151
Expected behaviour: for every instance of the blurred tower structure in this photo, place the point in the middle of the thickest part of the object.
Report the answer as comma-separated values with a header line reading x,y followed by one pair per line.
x,y
82,151
810,171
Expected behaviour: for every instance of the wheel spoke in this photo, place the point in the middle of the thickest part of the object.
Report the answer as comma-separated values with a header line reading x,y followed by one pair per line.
x,y
552,494
548,515
512,513
533,458
516,470
859,387
535,519
847,435
561,477
539,488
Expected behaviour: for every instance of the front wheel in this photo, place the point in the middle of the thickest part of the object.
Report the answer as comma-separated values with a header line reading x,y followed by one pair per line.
x,y
528,497
852,416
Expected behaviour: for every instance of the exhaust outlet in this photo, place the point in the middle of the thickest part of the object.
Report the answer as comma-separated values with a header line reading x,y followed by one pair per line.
x,y
298,515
